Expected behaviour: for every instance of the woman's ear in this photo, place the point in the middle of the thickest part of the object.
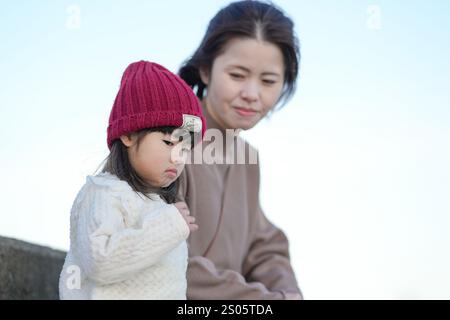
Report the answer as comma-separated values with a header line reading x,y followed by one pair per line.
x,y
204,75
128,140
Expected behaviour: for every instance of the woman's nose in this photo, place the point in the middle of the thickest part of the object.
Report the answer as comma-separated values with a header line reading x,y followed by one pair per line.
x,y
250,91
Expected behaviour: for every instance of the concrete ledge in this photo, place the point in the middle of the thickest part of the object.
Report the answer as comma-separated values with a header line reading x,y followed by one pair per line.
x,y
29,271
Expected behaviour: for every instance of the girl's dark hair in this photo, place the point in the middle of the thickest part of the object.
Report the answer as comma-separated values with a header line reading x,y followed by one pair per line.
x,y
117,163
246,19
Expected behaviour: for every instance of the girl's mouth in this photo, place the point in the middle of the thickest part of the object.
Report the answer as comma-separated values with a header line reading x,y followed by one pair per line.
x,y
172,172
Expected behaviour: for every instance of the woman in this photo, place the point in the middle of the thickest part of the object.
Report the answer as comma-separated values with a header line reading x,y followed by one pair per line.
x,y
245,66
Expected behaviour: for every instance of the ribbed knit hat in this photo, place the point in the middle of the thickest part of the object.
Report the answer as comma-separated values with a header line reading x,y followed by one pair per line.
x,y
152,96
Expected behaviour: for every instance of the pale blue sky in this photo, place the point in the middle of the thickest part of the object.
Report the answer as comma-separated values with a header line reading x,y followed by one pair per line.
x,y
367,206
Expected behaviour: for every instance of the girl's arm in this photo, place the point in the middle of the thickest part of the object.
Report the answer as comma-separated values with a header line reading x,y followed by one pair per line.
x,y
109,251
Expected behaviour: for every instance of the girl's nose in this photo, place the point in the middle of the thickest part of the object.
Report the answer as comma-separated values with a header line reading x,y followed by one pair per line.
x,y
176,156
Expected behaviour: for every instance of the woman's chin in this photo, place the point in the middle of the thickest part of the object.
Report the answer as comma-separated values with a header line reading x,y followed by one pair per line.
x,y
244,124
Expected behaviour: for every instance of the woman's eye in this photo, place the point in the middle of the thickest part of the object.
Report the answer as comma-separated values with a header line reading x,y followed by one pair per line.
x,y
269,81
169,143
237,75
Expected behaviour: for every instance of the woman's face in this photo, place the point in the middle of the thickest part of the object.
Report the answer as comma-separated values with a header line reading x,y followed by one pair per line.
x,y
244,83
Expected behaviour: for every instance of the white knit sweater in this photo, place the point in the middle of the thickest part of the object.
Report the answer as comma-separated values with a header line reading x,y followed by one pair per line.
x,y
123,245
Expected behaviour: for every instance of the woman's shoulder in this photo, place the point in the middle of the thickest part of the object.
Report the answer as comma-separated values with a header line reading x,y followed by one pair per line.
x,y
250,149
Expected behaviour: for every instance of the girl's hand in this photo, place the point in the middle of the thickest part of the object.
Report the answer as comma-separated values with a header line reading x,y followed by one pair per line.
x,y
184,211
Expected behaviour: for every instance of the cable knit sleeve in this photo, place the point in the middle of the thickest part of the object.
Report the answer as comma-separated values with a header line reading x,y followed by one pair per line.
x,y
109,251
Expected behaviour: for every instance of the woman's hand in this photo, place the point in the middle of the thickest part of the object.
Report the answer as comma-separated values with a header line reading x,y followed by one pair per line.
x,y
184,211
292,296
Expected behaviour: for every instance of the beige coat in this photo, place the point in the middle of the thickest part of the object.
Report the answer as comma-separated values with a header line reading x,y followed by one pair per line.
x,y
236,253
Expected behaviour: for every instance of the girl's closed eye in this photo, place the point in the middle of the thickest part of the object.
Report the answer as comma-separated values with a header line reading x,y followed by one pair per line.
x,y
184,148
169,143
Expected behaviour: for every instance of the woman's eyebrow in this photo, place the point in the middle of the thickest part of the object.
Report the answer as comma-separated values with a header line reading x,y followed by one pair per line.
x,y
266,73
271,74
233,66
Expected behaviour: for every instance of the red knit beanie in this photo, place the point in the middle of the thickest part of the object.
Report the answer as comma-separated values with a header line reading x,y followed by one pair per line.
x,y
152,96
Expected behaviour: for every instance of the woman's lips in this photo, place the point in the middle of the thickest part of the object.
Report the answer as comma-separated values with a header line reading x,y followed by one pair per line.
x,y
244,112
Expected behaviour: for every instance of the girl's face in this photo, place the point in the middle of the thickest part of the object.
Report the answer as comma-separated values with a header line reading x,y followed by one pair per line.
x,y
159,159
245,82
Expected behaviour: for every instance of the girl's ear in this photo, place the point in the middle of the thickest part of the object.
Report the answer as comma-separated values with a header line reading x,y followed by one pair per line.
x,y
204,76
128,140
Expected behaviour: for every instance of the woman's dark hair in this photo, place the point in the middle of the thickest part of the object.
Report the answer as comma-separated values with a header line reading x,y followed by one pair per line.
x,y
246,19
117,163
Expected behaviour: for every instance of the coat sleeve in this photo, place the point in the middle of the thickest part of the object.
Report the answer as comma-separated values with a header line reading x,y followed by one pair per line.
x,y
109,251
268,259
267,272
205,281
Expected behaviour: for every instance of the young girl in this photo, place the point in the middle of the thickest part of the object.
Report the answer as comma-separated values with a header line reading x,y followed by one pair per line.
x,y
127,236
246,65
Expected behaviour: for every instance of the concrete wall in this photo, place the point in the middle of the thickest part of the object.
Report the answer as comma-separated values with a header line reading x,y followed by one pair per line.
x,y
29,271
